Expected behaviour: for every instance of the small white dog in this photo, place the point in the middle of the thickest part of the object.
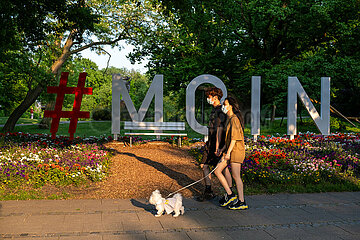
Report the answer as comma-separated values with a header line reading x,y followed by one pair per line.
x,y
173,204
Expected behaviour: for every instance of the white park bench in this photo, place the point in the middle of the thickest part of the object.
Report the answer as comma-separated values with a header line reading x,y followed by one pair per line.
x,y
155,126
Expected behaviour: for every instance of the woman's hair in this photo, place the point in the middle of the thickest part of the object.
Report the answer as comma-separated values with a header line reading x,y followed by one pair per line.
x,y
235,106
214,91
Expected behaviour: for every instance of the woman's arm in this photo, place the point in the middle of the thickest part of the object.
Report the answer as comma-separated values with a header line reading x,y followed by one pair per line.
x,y
220,120
218,138
231,146
221,150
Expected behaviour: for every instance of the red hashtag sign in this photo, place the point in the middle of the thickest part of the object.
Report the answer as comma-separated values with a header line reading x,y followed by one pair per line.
x,y
75,114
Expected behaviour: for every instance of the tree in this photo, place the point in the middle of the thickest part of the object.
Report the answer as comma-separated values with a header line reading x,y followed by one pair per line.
x,y
78,26
101,83
24,20
235,39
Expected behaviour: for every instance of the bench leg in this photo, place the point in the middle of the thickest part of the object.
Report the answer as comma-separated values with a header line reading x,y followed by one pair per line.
x,y
179,141
130,141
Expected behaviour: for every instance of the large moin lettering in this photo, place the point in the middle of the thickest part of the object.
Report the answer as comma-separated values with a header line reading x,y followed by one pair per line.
x,y
295,90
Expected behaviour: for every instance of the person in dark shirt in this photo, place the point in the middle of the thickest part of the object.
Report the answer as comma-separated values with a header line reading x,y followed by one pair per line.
x,y
216,141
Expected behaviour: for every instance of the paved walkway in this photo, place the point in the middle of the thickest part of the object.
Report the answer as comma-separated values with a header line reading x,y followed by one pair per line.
x,y
280,216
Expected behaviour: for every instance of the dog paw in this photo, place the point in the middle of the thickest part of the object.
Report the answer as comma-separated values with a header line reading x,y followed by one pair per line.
x,y
158,215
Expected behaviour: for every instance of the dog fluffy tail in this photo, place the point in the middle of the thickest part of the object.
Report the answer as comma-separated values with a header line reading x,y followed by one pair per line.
x,y
178,197
178,204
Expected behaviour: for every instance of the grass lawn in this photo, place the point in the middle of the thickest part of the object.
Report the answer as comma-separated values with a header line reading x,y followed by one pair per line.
x,y
85,129
94,128
21,120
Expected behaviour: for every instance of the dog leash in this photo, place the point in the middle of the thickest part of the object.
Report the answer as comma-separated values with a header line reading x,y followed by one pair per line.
x,y
196,181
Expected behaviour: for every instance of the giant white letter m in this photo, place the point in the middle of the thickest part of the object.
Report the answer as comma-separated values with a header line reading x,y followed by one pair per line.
x,y
119,88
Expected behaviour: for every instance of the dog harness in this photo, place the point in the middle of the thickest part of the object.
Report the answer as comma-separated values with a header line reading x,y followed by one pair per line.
x,y
169,205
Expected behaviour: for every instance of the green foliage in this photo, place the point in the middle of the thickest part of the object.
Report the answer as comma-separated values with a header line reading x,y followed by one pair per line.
x,y
334,124
18,75
30,43
337,124
101,114
234,40
26,18
344,73
19,194
173,109
139,85
100,81
62,30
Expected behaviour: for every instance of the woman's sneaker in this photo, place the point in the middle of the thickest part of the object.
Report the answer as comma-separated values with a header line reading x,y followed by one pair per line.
x,y
238,205
226,199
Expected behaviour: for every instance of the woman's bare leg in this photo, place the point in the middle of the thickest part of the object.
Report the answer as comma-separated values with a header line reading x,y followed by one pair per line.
x,y
228,177
206,171
219,173
235,170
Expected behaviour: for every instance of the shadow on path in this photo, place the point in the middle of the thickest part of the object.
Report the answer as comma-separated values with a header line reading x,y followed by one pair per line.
x,y
181,178
147,207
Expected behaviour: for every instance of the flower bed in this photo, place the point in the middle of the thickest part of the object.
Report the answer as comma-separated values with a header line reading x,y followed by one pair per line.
x,y
273,164
36,159
309,159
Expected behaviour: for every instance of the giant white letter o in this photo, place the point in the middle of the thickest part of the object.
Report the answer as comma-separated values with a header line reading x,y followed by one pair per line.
x,y
190,99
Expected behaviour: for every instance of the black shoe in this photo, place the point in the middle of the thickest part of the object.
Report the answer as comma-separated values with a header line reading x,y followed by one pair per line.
x,y
226,199
200,198
238,205
207,195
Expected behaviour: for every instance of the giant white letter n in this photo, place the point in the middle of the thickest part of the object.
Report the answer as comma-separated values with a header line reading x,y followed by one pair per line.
x,y
295,89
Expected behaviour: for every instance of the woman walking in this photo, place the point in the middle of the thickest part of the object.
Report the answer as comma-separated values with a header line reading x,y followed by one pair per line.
x,y
233,152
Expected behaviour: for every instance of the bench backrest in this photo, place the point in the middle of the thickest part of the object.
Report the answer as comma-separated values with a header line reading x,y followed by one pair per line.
x,y
179,126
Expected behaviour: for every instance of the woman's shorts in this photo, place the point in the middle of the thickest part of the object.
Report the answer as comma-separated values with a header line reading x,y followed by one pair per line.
x,y
237,156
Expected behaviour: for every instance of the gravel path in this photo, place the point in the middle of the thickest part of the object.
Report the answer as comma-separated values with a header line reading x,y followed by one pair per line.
x,y
137,171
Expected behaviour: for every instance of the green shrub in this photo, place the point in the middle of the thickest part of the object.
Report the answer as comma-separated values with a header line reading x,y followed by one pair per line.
x,y
334,124
101,114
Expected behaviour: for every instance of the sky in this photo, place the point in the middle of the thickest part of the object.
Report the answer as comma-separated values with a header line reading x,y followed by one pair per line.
x,y
118,58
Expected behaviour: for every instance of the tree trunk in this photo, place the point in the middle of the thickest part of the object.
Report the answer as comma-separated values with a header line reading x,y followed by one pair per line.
x,y
283,116
32,95
299,109
45,123
30,98
56,69
273,113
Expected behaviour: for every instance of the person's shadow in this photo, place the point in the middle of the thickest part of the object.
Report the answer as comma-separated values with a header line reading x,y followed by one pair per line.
x,y
147,207
180,178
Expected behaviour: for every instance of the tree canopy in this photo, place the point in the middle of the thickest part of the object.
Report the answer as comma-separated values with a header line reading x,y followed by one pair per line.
x,y
62,33
231,39
235,39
